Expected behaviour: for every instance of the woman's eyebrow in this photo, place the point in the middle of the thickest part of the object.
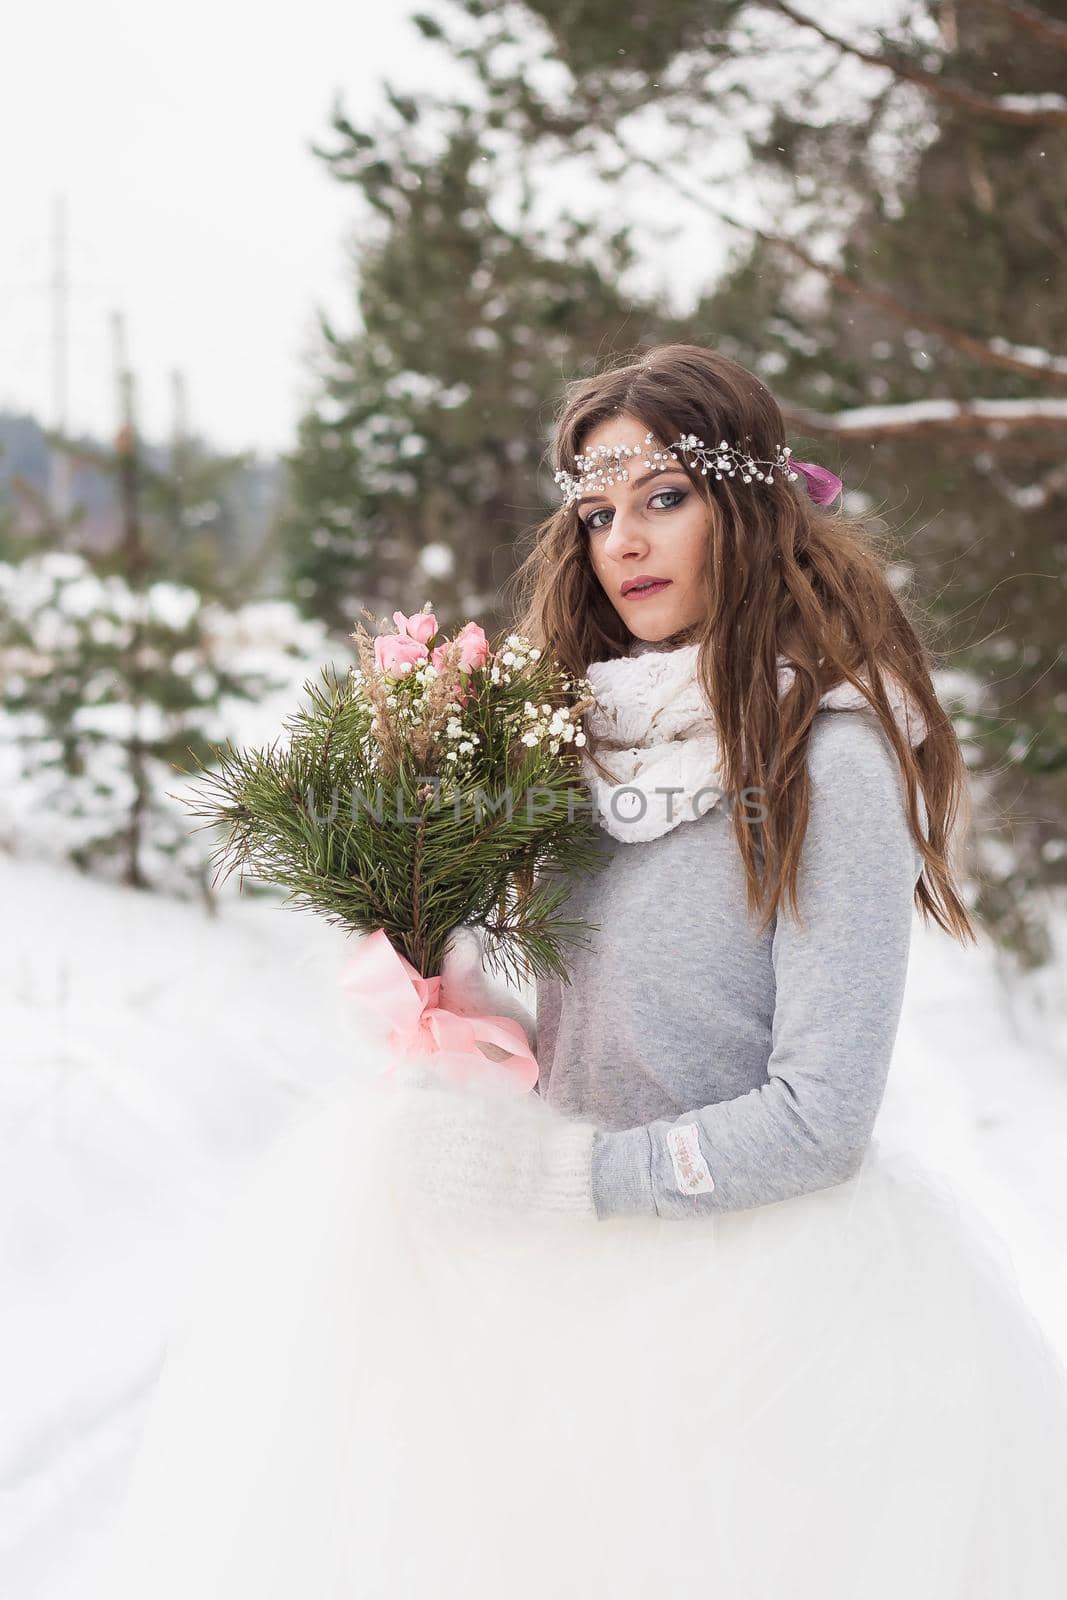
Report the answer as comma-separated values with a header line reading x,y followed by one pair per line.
x,y
645,477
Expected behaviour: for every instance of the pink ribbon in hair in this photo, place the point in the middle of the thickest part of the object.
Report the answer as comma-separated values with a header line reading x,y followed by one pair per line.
x,y
822,484
386,983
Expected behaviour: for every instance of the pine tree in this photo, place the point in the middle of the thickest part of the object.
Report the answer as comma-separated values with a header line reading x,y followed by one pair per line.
x,y
423,456
109,694
118,675
892,278
188,509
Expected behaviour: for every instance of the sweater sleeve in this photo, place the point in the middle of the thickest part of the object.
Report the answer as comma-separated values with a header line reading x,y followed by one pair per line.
x,y
839,987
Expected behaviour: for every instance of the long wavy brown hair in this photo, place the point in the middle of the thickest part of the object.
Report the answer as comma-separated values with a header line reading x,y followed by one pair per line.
x,y
783,576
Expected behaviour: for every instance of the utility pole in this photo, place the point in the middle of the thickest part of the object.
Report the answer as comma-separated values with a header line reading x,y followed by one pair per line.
x,y
179,417
179,450
135,557
59,487
126,458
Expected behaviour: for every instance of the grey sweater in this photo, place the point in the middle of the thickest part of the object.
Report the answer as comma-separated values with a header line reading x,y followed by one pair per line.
x,y
726,1068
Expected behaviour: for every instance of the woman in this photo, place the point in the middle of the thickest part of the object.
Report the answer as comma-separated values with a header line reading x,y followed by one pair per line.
x,y
455,1343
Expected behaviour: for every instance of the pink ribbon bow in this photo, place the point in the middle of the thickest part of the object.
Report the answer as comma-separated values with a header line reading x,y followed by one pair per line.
x,y
822,484
386,983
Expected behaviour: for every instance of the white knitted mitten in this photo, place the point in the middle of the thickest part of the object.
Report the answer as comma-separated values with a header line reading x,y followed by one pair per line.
x,y
467,987
459,1149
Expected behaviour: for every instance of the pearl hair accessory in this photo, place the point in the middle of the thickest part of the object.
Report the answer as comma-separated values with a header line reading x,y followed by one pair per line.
x,y
594,472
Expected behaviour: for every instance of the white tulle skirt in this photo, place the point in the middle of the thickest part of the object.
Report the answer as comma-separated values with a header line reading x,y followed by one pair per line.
x,y
838,1397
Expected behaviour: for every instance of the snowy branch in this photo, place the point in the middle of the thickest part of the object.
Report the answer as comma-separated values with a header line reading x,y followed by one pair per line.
x,y
1041,365
1029,358
1034,111
995,417
1035,363
1031,496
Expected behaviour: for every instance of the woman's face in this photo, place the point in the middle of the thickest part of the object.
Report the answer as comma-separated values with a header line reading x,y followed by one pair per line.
x,y
648,527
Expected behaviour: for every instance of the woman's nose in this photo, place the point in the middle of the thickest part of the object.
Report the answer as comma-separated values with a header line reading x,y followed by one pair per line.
x,y
624,534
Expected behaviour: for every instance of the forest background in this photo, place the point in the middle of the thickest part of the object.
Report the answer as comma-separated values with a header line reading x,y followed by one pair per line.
x,y
868,217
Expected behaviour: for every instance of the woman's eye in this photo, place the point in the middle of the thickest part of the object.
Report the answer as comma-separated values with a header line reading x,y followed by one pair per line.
x,y
679,496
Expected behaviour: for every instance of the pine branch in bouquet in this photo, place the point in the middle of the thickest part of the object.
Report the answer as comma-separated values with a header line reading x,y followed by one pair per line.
x,y
435,783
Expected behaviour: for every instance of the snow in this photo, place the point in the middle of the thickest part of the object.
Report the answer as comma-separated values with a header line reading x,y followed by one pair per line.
x,y
236,676
1037,103
1033,355
173,604
904,417
151,1052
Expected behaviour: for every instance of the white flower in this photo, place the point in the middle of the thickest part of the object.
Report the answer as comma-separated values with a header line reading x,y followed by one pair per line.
x,y
535,655
529,738
579,738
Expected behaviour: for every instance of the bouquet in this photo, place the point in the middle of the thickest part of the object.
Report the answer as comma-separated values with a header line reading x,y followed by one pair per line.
x,y
436,783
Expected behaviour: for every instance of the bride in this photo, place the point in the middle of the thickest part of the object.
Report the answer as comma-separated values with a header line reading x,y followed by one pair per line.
x,y
679,1322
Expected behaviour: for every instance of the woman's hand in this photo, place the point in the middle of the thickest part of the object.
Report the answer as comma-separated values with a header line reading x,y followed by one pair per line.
x,y
469,990
495,1153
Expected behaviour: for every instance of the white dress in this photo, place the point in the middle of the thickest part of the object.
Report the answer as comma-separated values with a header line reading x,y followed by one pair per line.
x,y
840,1396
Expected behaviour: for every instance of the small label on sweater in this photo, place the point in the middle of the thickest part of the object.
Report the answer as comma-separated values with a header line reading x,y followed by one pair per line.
x,y
690,1168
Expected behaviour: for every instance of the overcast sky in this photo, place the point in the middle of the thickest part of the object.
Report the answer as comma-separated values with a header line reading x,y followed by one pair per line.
x,y
180,137
180,140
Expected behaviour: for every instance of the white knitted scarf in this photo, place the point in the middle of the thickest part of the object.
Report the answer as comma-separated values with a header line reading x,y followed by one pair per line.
x,y
656,735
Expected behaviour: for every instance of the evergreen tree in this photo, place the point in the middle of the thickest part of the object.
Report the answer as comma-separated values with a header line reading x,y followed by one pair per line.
x,y
188,510
896,291
117,675
109,693
423,456
10,543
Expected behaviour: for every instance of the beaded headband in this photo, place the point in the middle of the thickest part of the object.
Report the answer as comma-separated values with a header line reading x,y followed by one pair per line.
x,y
595,473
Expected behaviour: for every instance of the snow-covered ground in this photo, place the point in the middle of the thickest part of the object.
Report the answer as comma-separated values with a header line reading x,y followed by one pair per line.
x,y
149,1053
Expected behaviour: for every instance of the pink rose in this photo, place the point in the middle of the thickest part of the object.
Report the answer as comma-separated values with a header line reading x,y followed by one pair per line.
x,y
421,625
393,650
475,652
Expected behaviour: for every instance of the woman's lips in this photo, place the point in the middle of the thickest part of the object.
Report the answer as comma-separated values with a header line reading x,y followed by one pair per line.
x,y
644,594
